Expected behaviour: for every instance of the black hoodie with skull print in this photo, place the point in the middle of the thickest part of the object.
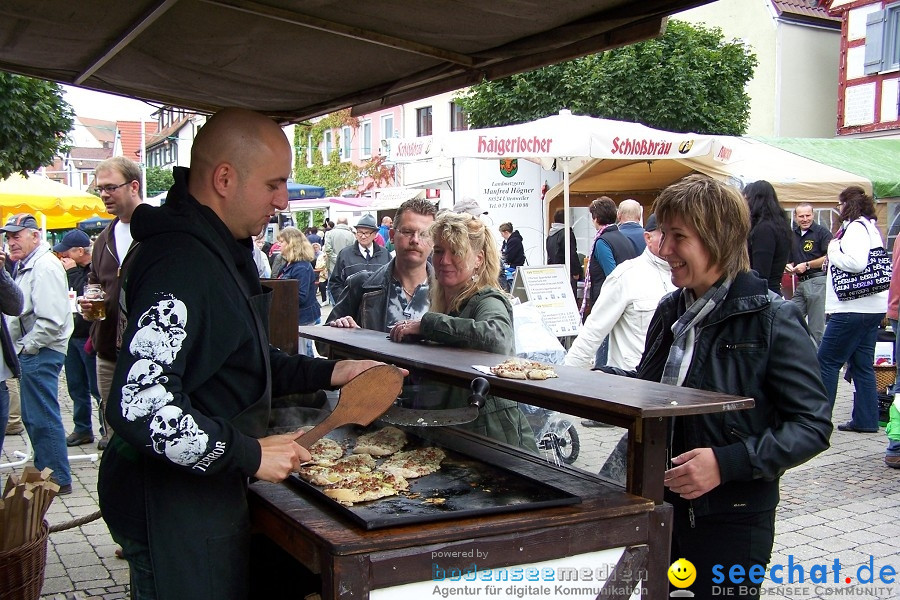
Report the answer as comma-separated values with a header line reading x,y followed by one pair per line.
x,y
191,363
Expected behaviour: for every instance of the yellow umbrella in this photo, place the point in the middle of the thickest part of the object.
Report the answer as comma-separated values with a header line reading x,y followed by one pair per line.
x,y
62,205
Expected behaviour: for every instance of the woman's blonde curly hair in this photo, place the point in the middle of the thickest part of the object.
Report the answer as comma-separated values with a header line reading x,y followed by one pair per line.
x,y
466,236
295,247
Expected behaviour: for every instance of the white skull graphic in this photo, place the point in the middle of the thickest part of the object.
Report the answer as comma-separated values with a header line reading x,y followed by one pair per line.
x,y
189,444
177,435
165,314
164,426
145,373
160,332
138,402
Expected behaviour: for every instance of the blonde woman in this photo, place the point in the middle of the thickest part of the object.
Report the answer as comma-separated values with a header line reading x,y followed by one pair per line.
x,y
298,255
468,310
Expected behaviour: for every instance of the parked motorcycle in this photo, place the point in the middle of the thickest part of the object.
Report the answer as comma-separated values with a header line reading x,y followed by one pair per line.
x,y
554,432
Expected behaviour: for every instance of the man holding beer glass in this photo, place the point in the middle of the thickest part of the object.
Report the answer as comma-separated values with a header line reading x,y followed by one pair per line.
x,y
118,181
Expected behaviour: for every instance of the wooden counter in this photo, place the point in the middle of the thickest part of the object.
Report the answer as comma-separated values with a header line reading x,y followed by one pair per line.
x,y
352,562
643,407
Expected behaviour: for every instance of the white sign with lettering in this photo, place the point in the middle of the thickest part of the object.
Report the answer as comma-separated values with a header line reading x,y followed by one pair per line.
x,y
548,289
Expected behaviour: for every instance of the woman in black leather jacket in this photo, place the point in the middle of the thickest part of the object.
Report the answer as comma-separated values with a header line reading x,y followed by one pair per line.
x,y
724,331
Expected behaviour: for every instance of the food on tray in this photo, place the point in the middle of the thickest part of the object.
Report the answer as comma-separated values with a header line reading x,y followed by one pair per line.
x,y
355,477
383,442
518,368
414,463
366,487
325,450
348,468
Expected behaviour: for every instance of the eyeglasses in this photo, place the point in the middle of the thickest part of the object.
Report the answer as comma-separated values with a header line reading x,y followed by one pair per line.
x,y
110,188
366,232
411,233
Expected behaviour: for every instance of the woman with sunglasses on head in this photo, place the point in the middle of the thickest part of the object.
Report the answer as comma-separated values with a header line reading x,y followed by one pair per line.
x,y
469,310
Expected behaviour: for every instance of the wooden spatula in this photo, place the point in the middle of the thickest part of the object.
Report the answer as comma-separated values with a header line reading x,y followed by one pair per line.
x,y
362,400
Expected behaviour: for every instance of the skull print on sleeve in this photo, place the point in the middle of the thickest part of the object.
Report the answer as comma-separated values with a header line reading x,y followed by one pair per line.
x,y
157,342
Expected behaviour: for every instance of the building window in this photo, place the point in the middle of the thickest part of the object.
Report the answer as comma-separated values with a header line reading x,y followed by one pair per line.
x,y
387,127
883,40
423,121
327,148
365,141
458,120
346,139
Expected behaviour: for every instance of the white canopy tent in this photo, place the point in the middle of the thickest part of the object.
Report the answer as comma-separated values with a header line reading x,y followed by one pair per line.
x,y
565,142
795,178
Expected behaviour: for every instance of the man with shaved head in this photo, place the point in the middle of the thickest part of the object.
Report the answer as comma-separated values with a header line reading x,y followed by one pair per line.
x,y
195,375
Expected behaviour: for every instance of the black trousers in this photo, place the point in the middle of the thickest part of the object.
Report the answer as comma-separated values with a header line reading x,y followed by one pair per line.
x,y
722,541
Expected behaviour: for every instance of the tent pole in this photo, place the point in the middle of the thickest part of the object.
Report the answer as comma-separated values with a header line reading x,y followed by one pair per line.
x,y
566,237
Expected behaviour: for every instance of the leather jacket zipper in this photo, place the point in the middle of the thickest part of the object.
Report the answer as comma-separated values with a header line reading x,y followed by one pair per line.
x,y
743,346
691,515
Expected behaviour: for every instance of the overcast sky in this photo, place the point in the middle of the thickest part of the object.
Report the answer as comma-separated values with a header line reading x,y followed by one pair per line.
x,y
97,105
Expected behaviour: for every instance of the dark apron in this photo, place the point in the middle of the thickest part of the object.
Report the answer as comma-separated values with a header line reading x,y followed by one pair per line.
x,y
199,528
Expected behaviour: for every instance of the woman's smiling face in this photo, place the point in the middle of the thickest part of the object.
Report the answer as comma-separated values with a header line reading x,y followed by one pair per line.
x,y
689,258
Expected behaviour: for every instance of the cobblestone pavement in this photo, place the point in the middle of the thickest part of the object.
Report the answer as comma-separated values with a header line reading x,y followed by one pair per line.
x,y
841,505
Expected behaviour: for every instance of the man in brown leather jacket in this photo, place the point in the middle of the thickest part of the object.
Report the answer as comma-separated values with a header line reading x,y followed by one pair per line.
x,y
118,180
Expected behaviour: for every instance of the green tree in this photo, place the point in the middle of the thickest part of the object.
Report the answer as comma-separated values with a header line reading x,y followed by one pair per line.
x,y
336,176
688,79
35,121
159,179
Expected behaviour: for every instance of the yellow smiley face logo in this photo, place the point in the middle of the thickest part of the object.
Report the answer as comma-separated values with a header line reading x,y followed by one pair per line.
x,y
682,573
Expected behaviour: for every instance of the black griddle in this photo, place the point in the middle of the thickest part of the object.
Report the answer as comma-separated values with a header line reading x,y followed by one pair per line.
x,y
468,486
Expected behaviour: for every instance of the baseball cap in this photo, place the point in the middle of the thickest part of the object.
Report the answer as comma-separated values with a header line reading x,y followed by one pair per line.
x,y
19,222
73,239
651,224
469,205
368,221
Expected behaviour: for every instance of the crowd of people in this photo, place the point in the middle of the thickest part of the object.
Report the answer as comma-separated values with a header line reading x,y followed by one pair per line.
x,y
181,375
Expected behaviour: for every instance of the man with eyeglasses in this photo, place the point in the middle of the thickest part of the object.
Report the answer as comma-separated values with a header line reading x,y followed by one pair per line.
x,y
118,180
364,255
397,291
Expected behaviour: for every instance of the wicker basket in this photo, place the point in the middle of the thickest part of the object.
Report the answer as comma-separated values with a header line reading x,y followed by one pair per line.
x,y
22,569
884,376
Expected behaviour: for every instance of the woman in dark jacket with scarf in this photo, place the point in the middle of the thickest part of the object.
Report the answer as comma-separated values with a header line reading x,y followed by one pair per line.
x,y
724,331
298,257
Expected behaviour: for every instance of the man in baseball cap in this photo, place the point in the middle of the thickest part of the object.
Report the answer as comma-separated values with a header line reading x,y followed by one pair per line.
x,y
17,223
40,337
74,239
74,251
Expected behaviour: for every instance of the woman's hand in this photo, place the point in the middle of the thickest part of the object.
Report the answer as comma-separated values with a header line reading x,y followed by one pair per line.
x,y
405,329
696,472
346,322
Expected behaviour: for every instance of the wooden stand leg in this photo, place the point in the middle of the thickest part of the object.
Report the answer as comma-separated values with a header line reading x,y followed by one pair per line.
x,y
647,458
658,562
